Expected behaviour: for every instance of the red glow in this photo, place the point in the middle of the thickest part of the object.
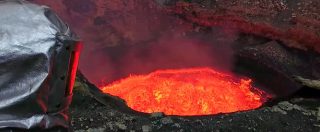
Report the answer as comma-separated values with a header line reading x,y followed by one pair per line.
x,y
196,91
74,61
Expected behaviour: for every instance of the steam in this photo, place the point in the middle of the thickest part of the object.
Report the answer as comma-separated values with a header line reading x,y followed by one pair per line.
x,y
124,37
166,52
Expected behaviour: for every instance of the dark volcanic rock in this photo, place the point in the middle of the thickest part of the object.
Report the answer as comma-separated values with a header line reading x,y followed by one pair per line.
x,y
295,22
276,66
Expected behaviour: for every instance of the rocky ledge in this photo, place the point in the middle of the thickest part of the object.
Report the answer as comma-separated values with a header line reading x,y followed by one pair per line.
x,y
295,114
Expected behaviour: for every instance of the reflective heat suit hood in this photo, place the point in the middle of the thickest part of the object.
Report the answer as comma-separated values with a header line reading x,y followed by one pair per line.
x,y
38,62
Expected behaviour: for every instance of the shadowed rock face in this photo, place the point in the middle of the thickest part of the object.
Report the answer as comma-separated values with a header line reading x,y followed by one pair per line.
x,y
276,66
295,21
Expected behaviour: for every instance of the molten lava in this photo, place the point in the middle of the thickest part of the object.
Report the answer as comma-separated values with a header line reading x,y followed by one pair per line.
x,y
195,91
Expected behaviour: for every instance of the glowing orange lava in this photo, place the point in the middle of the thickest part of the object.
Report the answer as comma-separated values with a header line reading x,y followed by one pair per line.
x,y
195,91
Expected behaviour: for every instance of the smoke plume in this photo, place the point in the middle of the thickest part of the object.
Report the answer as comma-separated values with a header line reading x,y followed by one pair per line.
x,y
124,37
